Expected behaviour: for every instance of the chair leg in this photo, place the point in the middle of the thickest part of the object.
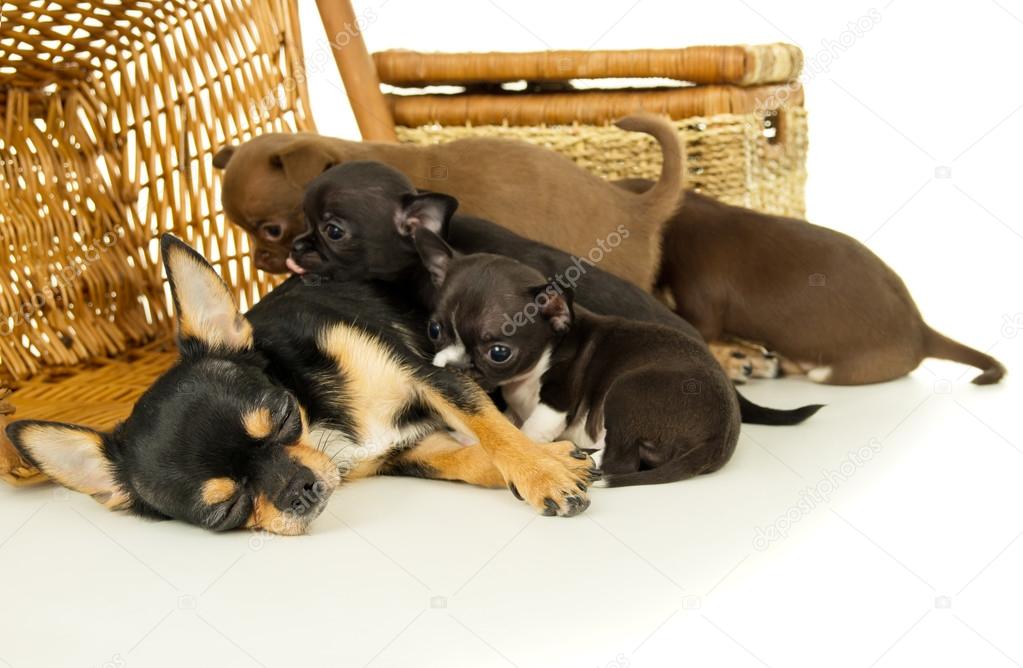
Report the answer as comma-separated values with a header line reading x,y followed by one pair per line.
x,y
357,70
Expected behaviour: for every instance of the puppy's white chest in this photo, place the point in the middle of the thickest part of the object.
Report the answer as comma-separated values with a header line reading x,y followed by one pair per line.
x,y
523,393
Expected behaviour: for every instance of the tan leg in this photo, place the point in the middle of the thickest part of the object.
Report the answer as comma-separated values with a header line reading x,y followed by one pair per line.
x,y
441,457
551,477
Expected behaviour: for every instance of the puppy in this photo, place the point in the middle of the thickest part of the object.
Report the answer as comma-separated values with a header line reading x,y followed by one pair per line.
x,y
638,394
264,414
820,298
535,192
362,217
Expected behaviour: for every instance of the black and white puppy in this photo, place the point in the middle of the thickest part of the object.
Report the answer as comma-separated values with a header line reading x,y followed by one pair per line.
x,y
362,216
638,393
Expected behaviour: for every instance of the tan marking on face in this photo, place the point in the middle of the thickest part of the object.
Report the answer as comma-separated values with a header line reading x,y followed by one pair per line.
x,y
317,462
218,490
265,515
258,423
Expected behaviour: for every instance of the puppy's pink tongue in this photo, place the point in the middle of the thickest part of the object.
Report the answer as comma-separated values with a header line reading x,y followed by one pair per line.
x,y
293,266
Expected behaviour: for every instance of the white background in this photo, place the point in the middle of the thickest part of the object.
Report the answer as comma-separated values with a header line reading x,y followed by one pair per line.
x,y
910,557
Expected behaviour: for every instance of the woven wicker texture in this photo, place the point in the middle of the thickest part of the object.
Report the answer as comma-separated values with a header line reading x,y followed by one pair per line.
x,y
729,156
110,114
744,65
593,107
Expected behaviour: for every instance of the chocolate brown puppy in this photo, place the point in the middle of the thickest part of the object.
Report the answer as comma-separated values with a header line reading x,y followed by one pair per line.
x,y
532,191
822,299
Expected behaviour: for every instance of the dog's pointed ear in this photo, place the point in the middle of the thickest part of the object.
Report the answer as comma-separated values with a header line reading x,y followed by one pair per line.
x,y
76,457
302,161
223,156
206,311
435,253
425,209
555,302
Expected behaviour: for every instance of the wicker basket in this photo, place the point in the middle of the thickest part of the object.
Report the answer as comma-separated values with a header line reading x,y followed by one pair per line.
x,y
110,113
740,114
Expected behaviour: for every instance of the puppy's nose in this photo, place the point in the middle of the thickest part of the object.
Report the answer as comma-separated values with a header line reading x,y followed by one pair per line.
x,y
302,244
303,493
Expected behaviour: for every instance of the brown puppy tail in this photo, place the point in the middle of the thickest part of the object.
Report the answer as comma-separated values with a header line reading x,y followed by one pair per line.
x,y
665,196
940,346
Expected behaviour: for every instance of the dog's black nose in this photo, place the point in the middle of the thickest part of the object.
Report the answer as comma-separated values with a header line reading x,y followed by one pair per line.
x,y
302,493
302,245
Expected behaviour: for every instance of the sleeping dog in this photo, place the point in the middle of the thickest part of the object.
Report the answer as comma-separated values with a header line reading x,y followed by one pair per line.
x,y
362,217
634,392
264,414
535,192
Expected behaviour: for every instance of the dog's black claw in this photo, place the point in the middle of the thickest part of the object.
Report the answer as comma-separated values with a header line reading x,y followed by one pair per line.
x,y
582,487
595,473
579,454
576,505
552,508
515,491
590,451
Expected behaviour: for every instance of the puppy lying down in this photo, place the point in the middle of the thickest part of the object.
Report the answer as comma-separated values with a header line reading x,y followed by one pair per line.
x,y
632,392
532,191
820,298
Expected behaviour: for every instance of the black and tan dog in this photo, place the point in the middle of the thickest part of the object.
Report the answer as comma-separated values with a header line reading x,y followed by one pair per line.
x,y
363,215
264,414
636,393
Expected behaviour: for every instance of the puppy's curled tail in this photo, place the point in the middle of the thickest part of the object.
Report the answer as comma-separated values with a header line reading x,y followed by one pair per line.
x,y
940,346
665,196
754,414
679,467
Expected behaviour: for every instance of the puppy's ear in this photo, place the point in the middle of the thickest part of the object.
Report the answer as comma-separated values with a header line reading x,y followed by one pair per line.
x,y
555,302
427,210
206,311
303,161
76,457
435,254
223,156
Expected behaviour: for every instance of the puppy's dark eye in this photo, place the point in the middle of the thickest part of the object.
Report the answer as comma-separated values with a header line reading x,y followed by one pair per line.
x,y
433,330
499,354
271,231
334,232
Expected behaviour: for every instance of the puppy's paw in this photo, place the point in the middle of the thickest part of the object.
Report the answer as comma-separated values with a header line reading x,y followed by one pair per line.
x,y
553,478
742,361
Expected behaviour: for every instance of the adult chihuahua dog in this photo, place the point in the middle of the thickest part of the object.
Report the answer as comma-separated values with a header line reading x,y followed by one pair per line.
x,y
363,215
264,414
636,393
533,191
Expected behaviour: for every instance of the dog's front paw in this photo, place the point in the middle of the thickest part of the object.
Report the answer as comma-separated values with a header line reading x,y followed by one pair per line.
x,y
742,361
553,478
